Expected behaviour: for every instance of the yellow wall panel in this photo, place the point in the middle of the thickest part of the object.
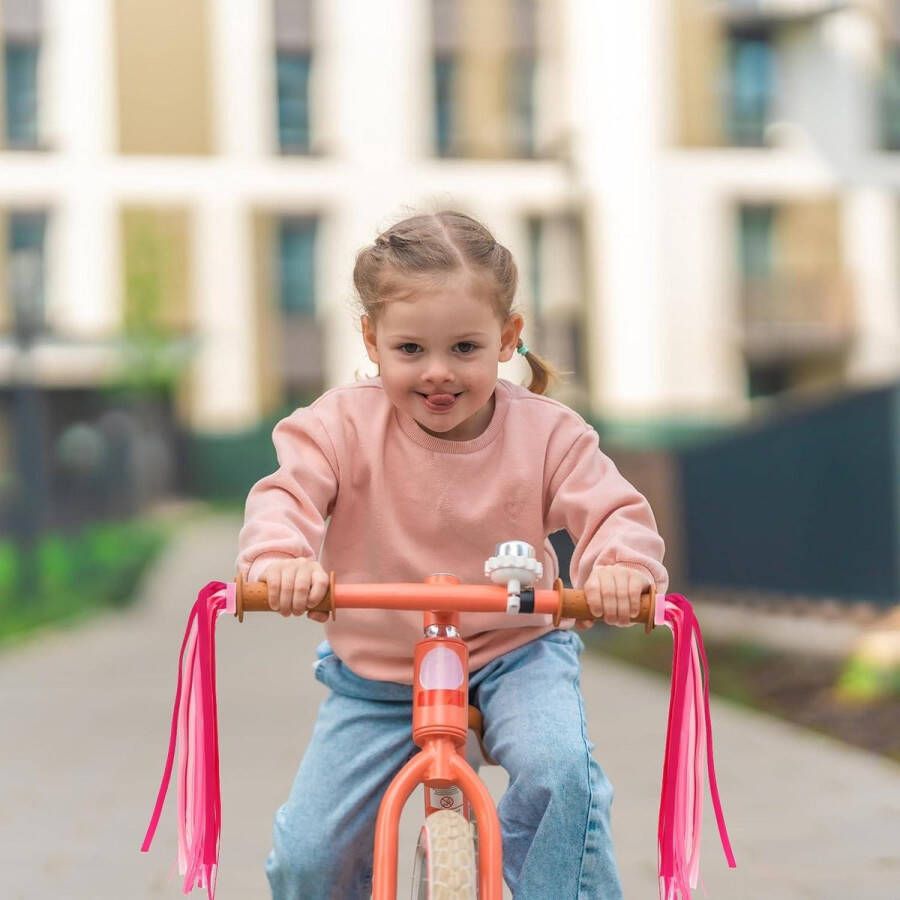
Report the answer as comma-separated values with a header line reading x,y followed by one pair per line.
x,y
163,67
808,238
266,345
699,61
483,86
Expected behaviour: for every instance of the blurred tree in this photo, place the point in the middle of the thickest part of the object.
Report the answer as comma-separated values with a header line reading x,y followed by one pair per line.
x,y
156,341
156,347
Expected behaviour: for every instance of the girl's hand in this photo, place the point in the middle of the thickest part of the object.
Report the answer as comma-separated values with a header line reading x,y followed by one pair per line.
x,y
613,593
295,585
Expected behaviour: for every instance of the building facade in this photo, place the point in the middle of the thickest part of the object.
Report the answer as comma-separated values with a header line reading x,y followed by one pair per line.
x,y
701,196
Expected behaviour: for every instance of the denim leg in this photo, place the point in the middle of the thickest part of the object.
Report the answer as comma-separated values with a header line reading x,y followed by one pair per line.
x,y
324,834
555,813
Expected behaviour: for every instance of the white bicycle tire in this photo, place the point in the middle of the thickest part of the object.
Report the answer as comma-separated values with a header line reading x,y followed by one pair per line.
x,y
445,866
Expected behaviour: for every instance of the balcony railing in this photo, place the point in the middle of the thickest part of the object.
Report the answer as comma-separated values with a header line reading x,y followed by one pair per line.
x,y
746,118
774,11
793,316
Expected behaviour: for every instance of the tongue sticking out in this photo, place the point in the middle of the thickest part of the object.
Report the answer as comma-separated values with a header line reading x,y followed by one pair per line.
x,y
440,401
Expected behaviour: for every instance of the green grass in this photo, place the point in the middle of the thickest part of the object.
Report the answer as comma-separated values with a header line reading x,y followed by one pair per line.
x,y
75,575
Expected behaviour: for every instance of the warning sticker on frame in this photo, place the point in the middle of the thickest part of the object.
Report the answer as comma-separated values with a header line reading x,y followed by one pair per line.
x,y
445,798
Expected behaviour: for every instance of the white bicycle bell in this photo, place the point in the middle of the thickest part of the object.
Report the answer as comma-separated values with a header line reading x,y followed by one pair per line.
x,y
514,565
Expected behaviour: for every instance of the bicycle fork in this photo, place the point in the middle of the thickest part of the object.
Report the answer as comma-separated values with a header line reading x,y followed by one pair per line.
x,y
440,728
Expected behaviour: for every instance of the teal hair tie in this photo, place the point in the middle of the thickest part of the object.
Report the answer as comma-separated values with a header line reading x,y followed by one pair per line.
x,y
522,348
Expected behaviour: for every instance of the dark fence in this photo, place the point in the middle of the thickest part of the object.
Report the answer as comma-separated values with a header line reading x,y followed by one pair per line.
x,y
807,501
91,456
223,467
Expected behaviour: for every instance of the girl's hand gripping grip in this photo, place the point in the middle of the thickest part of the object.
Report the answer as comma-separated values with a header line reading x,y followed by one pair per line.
x,y
573,605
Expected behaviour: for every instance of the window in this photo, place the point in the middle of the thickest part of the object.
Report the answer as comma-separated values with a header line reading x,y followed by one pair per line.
x,y
890,100
751,79
755,241
535,268
556,279
293,65
767,380
297,334
522,80
445,38
484,85
27,232
521,83
21,52
296,266
293,101
444,76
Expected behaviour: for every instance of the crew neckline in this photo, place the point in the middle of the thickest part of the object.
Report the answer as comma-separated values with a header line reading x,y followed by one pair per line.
x,y
414,431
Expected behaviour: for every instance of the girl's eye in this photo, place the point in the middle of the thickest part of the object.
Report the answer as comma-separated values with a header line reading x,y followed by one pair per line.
x,y
410,349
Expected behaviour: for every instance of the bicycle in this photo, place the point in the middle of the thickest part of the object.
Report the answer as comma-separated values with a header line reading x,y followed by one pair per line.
x,y
459,852
448,865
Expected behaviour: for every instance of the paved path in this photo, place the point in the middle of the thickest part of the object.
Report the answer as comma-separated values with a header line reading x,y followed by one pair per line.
x,y
85,721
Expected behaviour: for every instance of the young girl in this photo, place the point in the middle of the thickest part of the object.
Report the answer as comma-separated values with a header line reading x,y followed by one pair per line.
x,y
422,470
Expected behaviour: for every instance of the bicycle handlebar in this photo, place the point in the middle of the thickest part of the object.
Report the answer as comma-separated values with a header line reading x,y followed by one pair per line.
x,y
560,602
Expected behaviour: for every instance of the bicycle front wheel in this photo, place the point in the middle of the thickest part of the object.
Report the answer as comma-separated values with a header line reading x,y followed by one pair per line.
x,y
445,867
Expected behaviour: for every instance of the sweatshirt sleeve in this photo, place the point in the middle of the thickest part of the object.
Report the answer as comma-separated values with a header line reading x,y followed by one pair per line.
x,y
285,512
607,518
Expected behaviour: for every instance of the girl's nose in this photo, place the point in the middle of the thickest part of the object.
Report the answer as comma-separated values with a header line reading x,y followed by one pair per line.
x,y
438,370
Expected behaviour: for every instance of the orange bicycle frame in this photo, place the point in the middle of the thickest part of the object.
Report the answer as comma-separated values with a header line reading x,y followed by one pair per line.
x,y
440,704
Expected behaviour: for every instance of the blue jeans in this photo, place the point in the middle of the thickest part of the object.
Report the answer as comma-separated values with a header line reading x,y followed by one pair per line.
x,y
554,814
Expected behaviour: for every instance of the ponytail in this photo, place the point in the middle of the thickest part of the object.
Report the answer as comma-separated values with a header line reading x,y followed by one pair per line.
x,y
543,373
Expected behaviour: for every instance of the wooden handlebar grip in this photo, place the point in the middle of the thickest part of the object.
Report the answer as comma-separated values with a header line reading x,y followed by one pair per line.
x,y
253,596
573,605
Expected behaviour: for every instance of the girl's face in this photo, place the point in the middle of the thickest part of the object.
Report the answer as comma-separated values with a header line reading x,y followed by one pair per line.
x,y
437,354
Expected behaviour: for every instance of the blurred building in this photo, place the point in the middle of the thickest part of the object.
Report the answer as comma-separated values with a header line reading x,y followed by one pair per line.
x,y
701,196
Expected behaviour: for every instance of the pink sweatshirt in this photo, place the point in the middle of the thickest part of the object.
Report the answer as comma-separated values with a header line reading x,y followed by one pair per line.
x,y
370,494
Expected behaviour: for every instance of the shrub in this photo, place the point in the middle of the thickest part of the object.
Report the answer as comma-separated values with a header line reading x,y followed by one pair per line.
x,y
78,574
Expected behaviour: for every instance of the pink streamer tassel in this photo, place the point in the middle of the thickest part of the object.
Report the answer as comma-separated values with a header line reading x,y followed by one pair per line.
x,y
195,732
688,746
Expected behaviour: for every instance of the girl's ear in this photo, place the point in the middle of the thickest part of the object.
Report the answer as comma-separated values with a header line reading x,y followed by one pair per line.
x,y
509,336
368,331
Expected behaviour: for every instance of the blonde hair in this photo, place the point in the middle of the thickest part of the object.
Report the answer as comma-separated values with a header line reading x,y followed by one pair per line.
x,y
430,246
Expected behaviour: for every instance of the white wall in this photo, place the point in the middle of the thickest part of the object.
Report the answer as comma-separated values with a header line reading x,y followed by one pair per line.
x,y
871,230
616,67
